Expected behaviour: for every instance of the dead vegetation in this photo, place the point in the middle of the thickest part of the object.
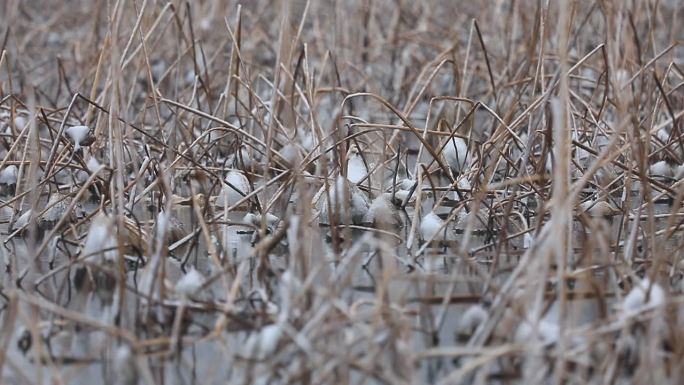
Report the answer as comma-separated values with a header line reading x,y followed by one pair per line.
x,y
333,192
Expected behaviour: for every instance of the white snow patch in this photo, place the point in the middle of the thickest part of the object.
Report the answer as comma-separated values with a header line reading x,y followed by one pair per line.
x,y
190,282
77,134
638,300
456,154
432,227
660,168
8,175
547,332
101,236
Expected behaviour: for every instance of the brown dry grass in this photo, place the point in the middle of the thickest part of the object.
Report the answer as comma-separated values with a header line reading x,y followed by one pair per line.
x,y
559,245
